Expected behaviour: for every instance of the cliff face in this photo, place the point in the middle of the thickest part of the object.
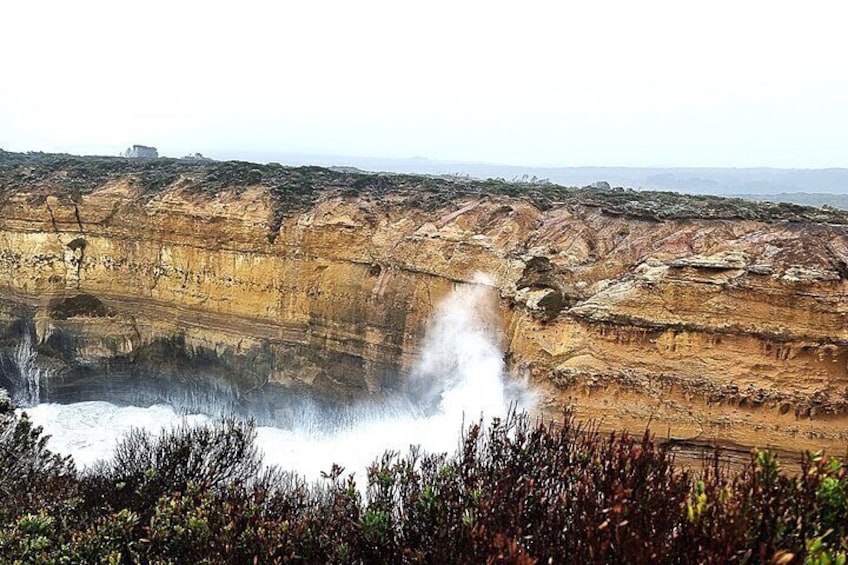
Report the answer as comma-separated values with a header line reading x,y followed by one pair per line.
x,y
712,319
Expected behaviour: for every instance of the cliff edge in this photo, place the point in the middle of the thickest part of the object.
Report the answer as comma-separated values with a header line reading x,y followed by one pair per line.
x,y
713,319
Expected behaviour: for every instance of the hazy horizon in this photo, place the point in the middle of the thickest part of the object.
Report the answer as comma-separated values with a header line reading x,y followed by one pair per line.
x,y
337,159
655,84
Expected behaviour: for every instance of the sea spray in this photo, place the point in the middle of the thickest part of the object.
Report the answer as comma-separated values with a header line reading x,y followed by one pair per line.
x,y
460,369
459,377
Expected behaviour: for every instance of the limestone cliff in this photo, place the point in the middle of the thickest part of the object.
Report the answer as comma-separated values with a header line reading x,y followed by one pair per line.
x,y
712,319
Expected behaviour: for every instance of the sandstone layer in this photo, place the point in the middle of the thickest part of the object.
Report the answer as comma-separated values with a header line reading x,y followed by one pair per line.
x,y
710,319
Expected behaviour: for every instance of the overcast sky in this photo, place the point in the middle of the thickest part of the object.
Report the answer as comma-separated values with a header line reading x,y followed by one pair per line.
x,y
741,83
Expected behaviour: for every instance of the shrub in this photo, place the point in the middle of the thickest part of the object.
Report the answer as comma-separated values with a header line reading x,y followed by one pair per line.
x,y
145,467
515,492
32,478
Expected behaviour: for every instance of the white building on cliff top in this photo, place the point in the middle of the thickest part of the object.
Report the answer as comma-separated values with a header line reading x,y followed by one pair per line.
x,y
141,152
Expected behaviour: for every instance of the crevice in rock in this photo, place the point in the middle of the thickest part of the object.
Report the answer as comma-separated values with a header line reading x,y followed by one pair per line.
x,y
52,217
77,217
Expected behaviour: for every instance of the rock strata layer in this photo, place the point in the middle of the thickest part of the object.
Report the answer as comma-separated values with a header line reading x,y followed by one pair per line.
x,y
712,319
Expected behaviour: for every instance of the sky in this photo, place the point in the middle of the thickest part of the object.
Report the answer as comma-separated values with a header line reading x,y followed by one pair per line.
x,y
719,83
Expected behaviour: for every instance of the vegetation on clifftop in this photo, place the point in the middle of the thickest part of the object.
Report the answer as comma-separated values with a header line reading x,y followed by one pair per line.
x,y
295,188
513,493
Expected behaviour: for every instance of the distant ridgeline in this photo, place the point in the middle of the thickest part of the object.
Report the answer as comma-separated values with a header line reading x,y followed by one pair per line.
x,y
720,181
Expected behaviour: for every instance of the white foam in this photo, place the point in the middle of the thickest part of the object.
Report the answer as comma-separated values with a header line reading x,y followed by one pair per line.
x,y
90,430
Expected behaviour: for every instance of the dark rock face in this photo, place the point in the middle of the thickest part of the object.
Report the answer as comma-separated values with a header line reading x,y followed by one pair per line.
x,y
81,305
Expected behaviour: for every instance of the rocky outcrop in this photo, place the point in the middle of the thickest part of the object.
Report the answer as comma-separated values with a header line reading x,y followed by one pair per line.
x,y
712,319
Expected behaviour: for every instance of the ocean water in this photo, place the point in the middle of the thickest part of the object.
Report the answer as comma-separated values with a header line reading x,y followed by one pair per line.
x,y
459,379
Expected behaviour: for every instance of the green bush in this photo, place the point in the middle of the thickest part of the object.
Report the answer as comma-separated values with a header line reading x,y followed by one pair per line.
x,y
32,479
